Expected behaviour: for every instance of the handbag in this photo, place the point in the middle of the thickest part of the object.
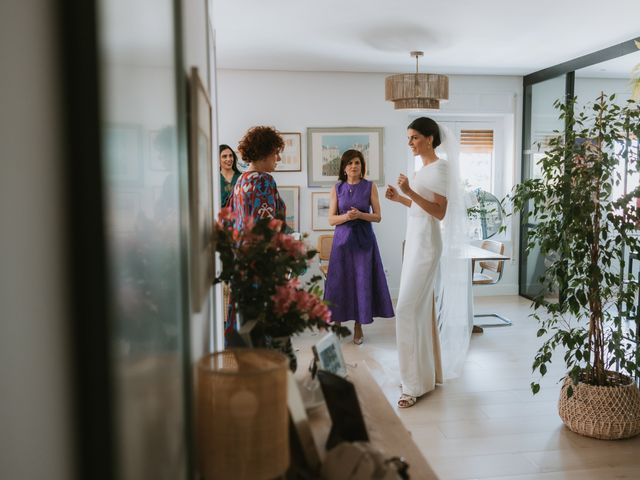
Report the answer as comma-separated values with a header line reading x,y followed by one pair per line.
x,y
361,461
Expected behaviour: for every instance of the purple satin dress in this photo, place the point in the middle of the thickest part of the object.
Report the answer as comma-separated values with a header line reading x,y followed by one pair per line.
x,y
356,287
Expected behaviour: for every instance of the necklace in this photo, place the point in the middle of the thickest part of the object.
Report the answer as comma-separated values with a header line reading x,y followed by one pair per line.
x,y
352,186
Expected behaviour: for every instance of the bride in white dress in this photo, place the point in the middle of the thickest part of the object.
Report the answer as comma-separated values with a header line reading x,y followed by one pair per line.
x,y
432,317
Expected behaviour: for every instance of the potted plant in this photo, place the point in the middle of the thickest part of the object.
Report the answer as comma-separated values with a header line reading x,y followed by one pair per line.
x,y
584,227
262,264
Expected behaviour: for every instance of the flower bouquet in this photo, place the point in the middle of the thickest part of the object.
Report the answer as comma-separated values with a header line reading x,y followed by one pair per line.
x,y
262,264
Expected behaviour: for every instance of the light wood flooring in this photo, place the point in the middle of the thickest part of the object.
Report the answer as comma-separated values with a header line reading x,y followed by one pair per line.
x,y
487,424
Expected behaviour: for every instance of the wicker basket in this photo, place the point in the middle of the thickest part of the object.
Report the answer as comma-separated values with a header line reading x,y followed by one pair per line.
x,y
608,413
242,416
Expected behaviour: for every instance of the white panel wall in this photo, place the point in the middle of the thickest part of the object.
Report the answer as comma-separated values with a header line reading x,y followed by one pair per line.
x,y
293,101
35,393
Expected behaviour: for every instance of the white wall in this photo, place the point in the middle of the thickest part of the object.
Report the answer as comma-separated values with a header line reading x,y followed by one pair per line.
x,y
35,412
195,24
293,101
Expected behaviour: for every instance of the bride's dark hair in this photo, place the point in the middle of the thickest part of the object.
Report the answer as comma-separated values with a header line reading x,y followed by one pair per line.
x,y
428,128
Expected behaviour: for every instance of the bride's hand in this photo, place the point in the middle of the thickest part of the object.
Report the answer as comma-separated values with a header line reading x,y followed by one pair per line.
x,y
403,183
392,194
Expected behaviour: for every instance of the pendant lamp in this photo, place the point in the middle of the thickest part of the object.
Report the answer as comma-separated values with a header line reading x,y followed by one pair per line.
x,y
416,90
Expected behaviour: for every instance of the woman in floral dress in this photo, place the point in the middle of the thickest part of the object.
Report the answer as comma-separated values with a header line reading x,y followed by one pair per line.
x,y
255,194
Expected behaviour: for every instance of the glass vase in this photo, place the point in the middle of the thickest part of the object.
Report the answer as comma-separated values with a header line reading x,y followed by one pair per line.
x,y
284,345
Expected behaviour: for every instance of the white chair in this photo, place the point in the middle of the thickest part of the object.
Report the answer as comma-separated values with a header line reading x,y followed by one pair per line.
x,y
490,273
325,243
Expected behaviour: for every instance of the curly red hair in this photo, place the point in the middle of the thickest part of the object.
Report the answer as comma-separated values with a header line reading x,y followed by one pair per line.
x,y
260,142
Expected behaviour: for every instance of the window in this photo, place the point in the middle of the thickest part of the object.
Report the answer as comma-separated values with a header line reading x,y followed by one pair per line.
x,y
480,152
477,158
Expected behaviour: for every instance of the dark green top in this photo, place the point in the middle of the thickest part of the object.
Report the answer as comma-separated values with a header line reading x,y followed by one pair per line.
x,y
226,188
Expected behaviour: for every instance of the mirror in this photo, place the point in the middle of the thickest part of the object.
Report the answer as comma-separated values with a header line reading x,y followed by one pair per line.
x,y
486,214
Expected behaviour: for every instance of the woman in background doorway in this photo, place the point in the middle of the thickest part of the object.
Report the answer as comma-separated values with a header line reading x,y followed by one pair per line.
x,y
356,286
229,172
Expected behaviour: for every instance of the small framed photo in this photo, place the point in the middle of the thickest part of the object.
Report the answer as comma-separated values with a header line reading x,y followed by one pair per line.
x,y
304,451
291,198
325,146
291,157
320,211
328,355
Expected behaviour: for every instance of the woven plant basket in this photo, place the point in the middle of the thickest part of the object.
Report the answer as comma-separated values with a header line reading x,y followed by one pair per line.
x,y
608,413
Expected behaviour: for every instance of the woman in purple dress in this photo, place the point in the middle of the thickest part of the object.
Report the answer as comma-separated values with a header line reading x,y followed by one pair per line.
x,y
356,287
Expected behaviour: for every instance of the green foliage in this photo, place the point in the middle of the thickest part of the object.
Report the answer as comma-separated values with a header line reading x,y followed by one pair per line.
x,y
584,232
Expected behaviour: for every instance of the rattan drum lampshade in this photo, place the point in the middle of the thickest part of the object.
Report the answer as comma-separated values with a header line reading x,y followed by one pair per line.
x,y
242,419
416,90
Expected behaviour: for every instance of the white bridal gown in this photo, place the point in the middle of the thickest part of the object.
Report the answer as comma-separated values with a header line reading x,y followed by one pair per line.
x,y
416,325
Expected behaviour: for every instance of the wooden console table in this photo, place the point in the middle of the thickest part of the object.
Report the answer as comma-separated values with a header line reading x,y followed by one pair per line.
x,y
385,429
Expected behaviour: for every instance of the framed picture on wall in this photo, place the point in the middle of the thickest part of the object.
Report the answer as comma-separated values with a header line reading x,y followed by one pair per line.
x,y
123,152
291,198
290,159
325,146
242,165
200,191
320,211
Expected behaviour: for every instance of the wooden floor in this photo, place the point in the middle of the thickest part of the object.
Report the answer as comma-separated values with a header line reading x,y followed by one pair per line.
x,y
487,424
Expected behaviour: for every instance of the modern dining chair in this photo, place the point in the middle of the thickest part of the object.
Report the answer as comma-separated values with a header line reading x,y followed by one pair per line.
x,y
490,273
324,252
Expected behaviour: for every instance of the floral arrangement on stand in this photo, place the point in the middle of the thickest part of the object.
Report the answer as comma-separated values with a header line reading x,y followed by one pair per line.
x,y
262,264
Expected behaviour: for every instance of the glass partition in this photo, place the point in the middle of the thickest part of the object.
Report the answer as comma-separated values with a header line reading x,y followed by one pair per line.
x,y
142,209
613,77
609,71
540,122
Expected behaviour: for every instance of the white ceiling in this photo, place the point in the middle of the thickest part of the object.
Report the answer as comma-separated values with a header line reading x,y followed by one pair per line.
x,y
494,37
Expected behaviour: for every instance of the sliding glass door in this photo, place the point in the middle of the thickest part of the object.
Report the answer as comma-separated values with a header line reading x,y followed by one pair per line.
x,y
541,122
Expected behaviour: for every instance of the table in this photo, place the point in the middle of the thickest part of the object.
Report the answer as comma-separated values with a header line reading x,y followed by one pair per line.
x,y
385,429
477,254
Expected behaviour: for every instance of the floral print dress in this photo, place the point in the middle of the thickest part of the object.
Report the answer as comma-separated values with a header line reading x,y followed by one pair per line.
x,y
255,196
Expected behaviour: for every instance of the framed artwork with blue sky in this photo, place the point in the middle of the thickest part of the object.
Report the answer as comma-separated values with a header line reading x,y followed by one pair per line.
x,y
325,146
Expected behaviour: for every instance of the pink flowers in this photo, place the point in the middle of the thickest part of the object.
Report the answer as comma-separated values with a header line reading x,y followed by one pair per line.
x,y
291,300
226,214
275,224
290,245
261,264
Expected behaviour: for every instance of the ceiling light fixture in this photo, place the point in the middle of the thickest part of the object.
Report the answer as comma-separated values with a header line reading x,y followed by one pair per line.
x,y
416,90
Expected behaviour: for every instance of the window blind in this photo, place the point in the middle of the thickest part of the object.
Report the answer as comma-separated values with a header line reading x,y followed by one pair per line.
x,y
476,141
